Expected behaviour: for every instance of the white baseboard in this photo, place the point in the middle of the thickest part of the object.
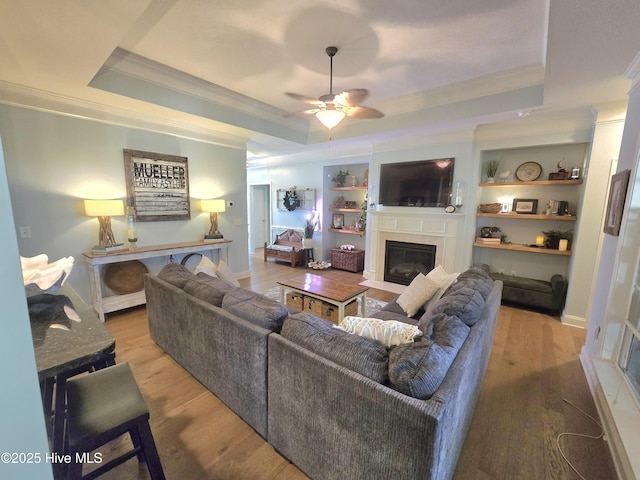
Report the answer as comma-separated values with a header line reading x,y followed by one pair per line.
x,y
602,399
574,321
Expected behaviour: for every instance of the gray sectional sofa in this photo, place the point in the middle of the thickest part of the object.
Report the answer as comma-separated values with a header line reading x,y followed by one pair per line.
x,y
335,404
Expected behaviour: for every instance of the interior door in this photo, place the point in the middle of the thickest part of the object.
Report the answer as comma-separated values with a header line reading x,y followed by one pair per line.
x,y
259,215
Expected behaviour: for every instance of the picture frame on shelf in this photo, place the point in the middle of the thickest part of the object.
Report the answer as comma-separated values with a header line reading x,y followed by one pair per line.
x,y
525,206
615,205
337,221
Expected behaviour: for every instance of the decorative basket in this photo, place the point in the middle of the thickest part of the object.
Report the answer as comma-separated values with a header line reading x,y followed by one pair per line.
x,y
490,207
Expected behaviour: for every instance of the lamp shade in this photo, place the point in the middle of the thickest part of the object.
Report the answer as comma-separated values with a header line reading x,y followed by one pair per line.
x,y
330,117
213,205
103,208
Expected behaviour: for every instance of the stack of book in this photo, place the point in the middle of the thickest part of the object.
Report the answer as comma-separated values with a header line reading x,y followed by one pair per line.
x,y
487,240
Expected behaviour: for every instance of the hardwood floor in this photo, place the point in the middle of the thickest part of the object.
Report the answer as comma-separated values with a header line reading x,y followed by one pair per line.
x,y
533,366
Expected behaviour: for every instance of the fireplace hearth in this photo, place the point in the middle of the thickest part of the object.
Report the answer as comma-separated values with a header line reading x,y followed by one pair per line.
x,y
404,260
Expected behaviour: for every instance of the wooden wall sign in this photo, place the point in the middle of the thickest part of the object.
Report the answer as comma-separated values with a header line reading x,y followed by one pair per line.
x,y
157,186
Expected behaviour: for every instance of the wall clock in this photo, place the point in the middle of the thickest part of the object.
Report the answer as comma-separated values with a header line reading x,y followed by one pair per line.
x,y
529,171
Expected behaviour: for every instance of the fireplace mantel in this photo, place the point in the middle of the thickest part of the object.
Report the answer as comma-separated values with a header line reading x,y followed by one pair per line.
x,y
416,225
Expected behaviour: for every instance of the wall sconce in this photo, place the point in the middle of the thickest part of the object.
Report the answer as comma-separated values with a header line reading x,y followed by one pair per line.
x,y
104,210
213,206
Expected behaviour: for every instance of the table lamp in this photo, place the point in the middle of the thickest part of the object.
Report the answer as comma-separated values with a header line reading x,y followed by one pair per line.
x,y
213,206
104,210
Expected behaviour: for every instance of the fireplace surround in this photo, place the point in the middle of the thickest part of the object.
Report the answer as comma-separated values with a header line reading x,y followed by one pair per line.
x,y
443,230
405,260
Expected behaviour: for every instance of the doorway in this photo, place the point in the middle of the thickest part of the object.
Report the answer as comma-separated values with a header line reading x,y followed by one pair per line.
x,y
259,216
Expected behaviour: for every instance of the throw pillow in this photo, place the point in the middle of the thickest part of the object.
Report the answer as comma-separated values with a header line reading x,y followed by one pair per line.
x,y
206,266
224,271
175,274
362,355
389,333
417,369
444,281
421,289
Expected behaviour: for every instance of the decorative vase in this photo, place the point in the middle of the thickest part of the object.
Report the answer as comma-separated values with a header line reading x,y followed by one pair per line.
x,y
354,181
491,180
307,242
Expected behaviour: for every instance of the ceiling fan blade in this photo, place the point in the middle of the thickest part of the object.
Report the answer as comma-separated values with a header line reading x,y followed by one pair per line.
x,y
364,112
304,98
353,98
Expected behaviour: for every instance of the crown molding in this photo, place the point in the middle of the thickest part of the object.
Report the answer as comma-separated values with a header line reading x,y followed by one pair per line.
x,y
48,102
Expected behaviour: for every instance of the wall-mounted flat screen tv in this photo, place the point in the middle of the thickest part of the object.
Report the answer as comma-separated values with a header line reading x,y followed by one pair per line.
x,y
424,183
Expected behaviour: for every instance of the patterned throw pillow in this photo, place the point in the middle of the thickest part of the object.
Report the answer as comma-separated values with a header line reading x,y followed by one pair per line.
x,y
389,332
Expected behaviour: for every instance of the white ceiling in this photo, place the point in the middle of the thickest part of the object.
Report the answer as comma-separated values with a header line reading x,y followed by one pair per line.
x,y
223,66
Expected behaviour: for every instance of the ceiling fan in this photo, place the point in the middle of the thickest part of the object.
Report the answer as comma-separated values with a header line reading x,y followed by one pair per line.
x,y
331,108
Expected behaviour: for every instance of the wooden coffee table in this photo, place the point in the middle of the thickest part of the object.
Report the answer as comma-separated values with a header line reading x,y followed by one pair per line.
x,y
325,289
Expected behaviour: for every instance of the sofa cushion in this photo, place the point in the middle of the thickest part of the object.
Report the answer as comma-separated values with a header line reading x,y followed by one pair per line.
x,y
395,312
417,369
465,303
421,289
209,289
363,355
255,308
389,332
175,274
474,278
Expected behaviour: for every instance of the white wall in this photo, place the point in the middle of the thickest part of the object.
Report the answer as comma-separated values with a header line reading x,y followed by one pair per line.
x,y
54,162
22,419
604,150
619,256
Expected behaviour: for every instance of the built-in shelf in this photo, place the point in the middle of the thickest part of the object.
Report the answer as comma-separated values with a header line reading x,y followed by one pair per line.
x,y
348,188
526,216
348,210
537,183
523,248
347,230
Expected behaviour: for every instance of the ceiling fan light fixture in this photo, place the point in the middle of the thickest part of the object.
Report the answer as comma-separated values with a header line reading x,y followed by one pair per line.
x,y
330,117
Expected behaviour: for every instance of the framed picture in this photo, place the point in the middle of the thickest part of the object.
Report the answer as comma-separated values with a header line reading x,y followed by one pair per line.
x,y
337,220
157,186
525,205
615,206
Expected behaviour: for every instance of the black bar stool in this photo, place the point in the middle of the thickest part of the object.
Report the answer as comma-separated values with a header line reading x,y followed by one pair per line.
x,y
101,406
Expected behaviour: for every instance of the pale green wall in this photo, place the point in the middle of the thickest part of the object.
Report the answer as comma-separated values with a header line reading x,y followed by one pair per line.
x,y
22,418
54,162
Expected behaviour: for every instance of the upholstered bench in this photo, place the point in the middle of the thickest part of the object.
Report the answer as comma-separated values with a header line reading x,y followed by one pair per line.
x,y
530,292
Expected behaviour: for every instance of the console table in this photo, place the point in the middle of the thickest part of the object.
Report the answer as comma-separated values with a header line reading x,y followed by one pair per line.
x,y
102,304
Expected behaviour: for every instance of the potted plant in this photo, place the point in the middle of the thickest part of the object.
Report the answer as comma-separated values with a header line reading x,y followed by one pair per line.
x,y
552,238
309,228
340,178
491,169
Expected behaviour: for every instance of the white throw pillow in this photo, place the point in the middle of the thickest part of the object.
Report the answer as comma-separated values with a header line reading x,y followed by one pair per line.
x,y
421,289
206,266
387,332
224,271
443,279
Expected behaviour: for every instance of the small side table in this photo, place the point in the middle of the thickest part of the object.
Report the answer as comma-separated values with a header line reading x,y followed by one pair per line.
x,y
309,254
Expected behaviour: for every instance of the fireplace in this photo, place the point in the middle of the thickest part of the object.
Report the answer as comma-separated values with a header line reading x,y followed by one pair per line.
x,y
404,260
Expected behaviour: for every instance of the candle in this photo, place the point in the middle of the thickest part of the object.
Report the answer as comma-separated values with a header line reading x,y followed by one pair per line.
x,y
539,240
564,243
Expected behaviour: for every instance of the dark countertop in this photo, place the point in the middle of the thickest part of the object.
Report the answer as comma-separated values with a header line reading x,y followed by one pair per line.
x,y
62,344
